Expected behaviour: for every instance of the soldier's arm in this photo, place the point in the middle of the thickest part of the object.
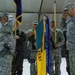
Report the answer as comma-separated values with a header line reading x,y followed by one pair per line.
x,y
64,17
30,34
63,23
61,39
10,44
27,35
6,29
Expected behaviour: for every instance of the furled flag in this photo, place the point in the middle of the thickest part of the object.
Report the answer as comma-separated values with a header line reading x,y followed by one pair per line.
x,y
39,35
48,49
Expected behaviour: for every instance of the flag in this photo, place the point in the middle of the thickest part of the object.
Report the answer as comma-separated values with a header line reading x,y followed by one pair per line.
x,y
43,47
39,34
41,52
18,11
48,51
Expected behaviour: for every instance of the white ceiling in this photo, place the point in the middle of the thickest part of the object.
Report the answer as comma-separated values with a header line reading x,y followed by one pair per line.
x,y
30,9
34,5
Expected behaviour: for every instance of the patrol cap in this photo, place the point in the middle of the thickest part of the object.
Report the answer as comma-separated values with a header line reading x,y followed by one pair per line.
x,y
52,21
35,23
68,6
3,14
45,17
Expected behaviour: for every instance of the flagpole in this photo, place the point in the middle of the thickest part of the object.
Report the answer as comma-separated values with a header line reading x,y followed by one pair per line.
x,y
43,47
55,21
44,22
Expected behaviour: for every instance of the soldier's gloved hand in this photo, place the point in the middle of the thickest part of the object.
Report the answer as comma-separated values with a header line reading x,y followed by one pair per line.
x,y
56,45
6,46
31,34
54,29
14,29
17,37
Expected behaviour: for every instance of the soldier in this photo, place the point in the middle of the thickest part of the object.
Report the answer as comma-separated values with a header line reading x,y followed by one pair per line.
x,y
64,28
32,49
70,35
7,44
17,64
56,49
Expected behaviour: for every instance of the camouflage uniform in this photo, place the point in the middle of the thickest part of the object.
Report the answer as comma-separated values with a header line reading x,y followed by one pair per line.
x,y
7,47
56,52
32,53
70,43
64,26
17,63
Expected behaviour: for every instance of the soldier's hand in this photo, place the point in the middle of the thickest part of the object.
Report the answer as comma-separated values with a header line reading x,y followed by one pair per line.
x,y
14,29
54,29
17,37
31,34
56,45
64,15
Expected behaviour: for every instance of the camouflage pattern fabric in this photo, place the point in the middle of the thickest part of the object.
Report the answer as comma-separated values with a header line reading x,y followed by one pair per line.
x,y
56,52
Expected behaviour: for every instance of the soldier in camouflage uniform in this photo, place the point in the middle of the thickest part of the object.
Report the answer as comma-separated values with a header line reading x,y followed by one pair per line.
x,y
56,49
7,44
64,28
70,35
17,63
32,49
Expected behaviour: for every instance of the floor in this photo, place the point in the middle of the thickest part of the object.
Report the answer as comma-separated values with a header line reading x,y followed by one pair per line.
x,y
26,69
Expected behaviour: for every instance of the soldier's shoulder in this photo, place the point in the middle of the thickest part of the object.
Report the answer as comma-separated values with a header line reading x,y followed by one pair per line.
x,y
73,19
59,30
50,29
30,30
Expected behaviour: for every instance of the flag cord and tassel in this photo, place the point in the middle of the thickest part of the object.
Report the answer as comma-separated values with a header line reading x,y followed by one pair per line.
x,y
18,13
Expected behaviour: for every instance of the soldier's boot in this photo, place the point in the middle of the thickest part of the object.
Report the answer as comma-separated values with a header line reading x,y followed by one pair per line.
x,y
32,69
51,71
57,70
67,68
13,72
35,72
57,73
